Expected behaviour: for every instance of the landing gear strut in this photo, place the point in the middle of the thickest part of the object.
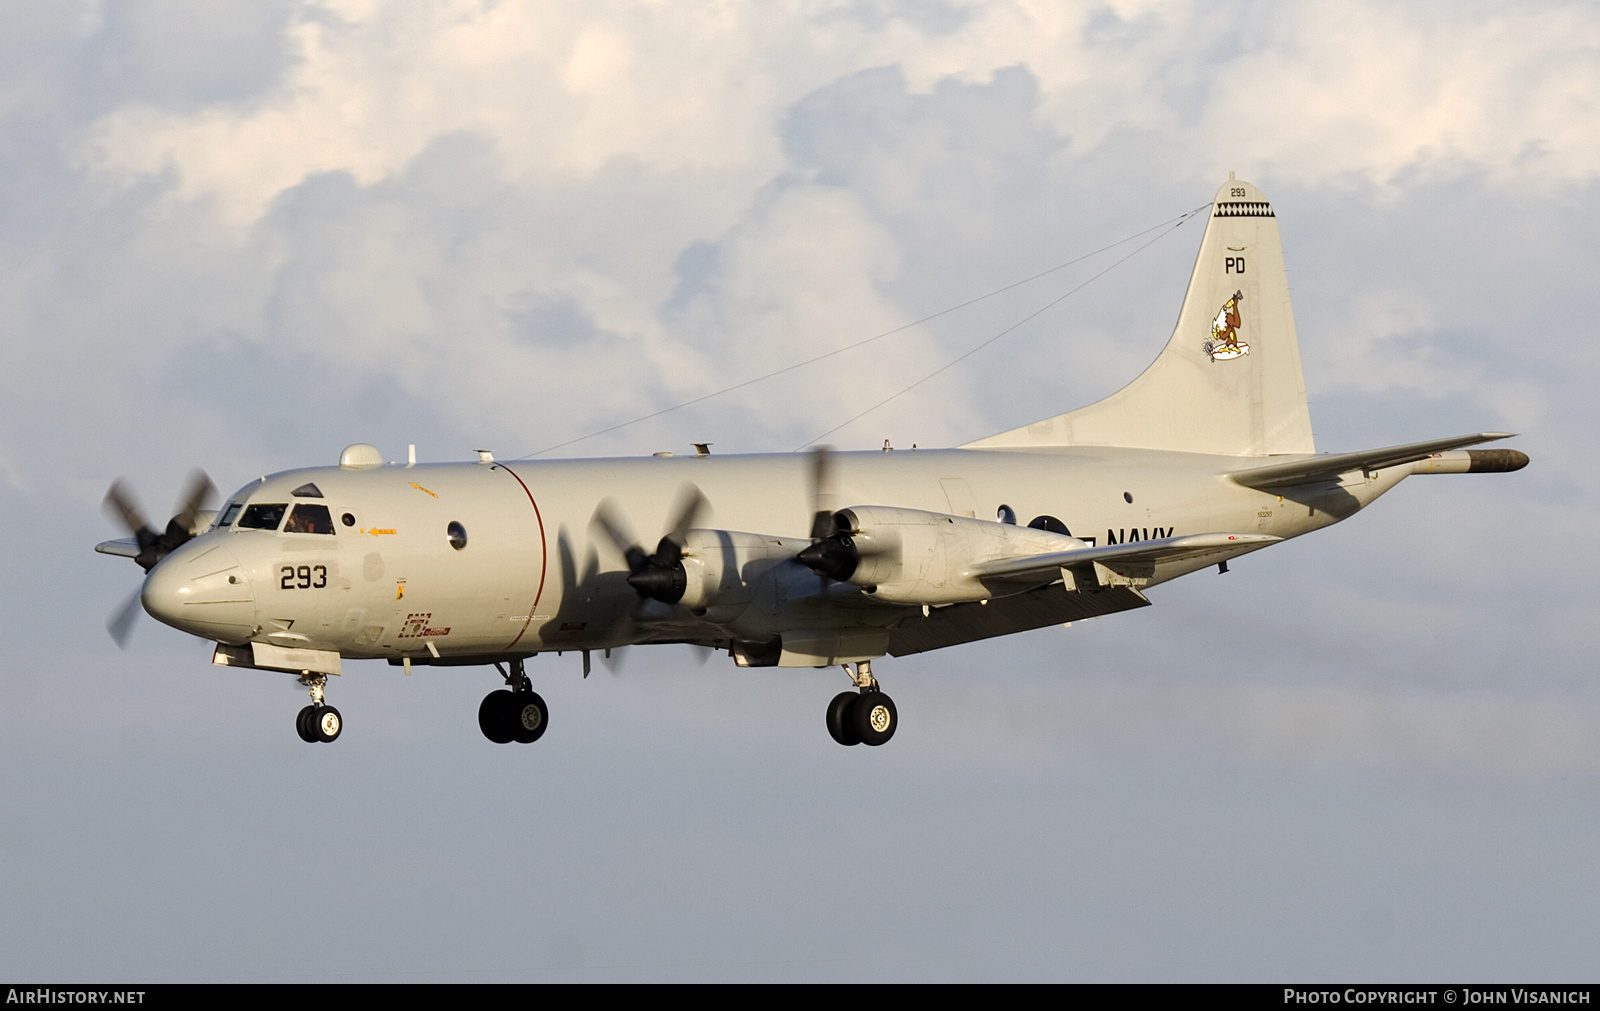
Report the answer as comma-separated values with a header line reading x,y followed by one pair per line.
x,y
318,721
514,713
865,716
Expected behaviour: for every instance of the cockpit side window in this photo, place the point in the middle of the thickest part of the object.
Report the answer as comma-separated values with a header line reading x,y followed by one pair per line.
x,y
309,518
263,516
229,514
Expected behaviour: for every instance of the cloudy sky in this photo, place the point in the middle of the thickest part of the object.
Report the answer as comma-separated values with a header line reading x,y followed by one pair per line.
x,y
242,236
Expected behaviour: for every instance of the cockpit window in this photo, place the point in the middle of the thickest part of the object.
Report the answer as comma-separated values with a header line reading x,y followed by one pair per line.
x,y
229,514
309,518
263,516
307,490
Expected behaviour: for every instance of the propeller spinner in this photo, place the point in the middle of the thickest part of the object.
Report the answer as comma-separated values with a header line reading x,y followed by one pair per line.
x,y
833,552
659,576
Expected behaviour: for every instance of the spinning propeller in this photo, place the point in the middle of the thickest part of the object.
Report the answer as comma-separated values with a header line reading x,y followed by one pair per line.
x,y
834,552
659,576
155,546
152,546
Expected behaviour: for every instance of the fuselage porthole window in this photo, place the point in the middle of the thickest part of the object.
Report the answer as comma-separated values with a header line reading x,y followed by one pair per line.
x,y
1049,523
263,516
309,518
348,519
457,535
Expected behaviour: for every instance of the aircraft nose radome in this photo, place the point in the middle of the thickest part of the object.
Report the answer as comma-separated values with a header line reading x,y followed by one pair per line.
x,y
201,589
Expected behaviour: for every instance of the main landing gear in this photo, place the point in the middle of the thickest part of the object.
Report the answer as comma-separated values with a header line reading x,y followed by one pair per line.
x,y
318,721
866,716
514,713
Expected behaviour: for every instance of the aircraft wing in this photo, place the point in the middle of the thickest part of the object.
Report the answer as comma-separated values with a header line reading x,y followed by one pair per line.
x,y
126,547
1119,555
1330,466
1055,604
1037,608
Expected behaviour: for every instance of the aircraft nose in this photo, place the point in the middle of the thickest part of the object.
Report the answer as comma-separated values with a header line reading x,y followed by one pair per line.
x,y
201,589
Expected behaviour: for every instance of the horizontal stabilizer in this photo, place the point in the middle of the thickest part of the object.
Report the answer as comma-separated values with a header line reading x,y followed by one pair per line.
x,y
1330,466
127,547
1163,549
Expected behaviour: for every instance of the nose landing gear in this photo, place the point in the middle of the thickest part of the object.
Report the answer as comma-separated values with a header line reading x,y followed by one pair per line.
x,y
866,716
318,722
514,713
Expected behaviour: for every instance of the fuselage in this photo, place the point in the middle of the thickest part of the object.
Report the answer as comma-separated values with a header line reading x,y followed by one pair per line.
x,y
790,560
477,560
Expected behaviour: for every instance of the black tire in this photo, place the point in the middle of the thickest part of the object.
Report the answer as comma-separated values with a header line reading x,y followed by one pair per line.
x,y
492,713
326,724
874,718
840,726
527,716
302,725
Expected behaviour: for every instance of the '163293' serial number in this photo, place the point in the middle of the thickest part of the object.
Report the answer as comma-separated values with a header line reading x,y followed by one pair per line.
x,y
303,577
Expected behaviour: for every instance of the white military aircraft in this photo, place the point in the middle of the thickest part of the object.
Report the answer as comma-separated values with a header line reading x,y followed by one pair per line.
x,y
787,560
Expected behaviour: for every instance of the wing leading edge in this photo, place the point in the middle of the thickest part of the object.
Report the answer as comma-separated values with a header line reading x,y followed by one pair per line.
x,y
1325,468
1121,556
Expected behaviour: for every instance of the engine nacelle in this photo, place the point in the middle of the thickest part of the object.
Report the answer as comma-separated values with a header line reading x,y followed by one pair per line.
x,y
913,556
721,567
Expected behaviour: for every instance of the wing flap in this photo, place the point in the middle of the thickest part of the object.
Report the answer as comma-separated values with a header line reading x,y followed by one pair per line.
x,y
1328,467
1119,555
1037,608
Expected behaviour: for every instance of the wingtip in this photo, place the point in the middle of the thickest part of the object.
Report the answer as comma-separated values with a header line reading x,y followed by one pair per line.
x,y
123,548
1495,461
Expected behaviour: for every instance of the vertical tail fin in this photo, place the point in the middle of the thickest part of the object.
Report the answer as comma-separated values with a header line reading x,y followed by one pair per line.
x,y
1229,381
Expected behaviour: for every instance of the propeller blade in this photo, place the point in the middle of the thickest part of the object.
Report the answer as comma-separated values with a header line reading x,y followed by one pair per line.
x,y
621,535
153,546
691,503
824,501
195,500
120,625
120,506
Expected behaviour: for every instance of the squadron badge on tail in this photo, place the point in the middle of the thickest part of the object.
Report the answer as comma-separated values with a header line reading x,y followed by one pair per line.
x,y
1224,342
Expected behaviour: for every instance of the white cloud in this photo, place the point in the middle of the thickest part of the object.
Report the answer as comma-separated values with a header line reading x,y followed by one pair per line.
x,y
507,224
454,197
1318,92
581,111
1373,91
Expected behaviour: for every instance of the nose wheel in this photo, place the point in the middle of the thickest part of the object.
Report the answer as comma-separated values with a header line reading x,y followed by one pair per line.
x,y
318,722
865,716
514,713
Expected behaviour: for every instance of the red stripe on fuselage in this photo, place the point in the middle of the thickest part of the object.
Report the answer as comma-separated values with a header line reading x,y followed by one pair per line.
x,y
544,555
